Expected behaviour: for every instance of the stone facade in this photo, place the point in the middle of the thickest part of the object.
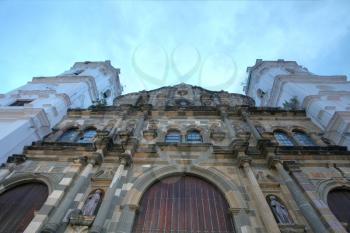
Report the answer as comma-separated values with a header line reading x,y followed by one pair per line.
x,y
326,99
237,153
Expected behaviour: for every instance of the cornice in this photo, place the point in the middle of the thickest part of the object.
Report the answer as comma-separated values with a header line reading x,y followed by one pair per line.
x,y
26,113
281,80
88,80
308,100
65,98
336,120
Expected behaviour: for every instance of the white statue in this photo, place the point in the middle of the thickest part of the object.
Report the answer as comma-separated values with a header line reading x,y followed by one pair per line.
x,y
280,211
92,202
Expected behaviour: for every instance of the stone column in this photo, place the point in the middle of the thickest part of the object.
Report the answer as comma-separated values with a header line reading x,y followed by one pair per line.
x,y
255,132
305,207
262,205
61,210
126,220
110,197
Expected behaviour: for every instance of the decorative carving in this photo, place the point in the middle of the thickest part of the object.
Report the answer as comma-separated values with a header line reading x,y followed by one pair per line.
x,y
143,99
207,99
216,132
150,134
182,92
152,124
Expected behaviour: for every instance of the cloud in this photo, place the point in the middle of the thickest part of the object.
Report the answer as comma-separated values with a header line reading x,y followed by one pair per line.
x,y
46,38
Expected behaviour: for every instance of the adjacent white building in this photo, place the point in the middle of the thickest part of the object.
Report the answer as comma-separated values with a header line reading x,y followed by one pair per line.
x,y
326,99
28,113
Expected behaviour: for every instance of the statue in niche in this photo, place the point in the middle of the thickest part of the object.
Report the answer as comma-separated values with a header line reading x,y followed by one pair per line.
x,y
92,202
279,210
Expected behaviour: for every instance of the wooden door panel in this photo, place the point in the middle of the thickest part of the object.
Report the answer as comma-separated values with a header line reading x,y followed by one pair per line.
x,y
183,204
18,204
339,203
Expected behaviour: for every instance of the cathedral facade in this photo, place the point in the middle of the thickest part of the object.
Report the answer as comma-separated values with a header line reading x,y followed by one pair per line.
x,y
179,159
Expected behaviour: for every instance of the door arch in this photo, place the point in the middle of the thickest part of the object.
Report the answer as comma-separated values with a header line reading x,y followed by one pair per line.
x,y
18,204
183,204
339,203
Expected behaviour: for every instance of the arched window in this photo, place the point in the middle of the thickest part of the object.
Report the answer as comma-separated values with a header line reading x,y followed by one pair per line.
x,y
18,205
302,138
173,136
88,136
183,204
282,138
194,136
69,135
339,203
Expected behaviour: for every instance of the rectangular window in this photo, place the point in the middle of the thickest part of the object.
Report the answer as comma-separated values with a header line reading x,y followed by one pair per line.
x,y
20,102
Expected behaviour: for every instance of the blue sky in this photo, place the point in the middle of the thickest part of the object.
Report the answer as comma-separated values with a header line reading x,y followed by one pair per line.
x,y
160,43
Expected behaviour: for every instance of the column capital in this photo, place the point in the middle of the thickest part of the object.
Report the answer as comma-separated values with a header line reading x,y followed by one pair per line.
x,y
96,158
291,166
125,158
244,161
272,160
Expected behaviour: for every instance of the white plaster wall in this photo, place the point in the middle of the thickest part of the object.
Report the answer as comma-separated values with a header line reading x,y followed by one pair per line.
x,y
14,135
321,96
22,125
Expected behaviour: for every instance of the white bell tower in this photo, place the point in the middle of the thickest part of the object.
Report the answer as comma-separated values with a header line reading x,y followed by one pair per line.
x,y
326,99
28,113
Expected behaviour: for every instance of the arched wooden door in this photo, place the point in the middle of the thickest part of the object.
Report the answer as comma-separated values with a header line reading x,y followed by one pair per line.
x,y
17,206
184,204
339,203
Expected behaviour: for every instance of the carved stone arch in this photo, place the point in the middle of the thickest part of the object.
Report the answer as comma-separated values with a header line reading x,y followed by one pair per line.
x,y
203,132
175,128
24,178
21,197
88,126
67,126
301,129
229,189
281,128
298,128
169,128
285,131
193,127
325,186
337,211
